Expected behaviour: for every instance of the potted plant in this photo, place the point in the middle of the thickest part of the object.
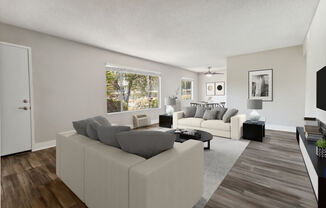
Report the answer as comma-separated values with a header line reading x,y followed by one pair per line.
x,y
321,148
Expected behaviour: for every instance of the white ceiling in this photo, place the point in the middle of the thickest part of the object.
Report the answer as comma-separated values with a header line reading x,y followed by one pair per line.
x,y
187,33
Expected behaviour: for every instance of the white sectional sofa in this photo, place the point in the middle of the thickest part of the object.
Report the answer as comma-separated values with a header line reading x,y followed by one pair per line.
x,y
231,130
103,176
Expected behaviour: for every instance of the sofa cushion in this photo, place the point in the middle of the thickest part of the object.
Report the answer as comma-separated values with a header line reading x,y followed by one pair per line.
x,y
145,143
102,120
91,129
81,125
107,134
190,111
227,116
200,112
221,112
210,114
216,124
193,122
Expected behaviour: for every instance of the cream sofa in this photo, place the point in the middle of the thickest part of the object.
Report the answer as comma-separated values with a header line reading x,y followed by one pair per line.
x,y
231,130
103,176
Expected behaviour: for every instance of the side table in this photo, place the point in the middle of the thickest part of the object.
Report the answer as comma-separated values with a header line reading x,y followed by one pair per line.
x,y
254,130
165,120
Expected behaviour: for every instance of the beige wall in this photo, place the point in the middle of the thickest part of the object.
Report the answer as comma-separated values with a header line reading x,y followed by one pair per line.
x,y
288,64
315,49
203,79
69,80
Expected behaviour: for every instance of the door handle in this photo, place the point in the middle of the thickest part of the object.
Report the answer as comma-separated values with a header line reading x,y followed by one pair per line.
x,y
23,108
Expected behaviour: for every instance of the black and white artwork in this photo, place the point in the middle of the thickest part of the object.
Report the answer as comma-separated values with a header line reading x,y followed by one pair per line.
x,y
260,84
219,88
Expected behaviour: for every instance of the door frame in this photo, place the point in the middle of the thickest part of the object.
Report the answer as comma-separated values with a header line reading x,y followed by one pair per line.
x,y
31,95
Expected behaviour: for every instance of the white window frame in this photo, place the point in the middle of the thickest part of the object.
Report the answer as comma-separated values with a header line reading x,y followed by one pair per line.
x,y
192,87
124,69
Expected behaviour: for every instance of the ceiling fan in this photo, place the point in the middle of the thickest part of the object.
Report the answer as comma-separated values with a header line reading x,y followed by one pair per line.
x,y
210,73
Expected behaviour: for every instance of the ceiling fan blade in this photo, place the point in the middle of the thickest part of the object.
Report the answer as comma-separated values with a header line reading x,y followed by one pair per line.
x,y
209,72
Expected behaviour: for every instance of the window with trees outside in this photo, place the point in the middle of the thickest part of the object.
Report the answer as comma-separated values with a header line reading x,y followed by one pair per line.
x,y
128,91
186,89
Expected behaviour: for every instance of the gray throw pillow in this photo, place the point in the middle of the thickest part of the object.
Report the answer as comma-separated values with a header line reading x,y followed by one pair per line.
x,y
200,112
210,114
190,111
91,129
220,113
227,116
81,125
107,134
145,143
102,120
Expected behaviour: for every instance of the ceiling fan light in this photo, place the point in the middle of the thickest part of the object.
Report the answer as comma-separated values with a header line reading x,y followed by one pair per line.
x,y
208,74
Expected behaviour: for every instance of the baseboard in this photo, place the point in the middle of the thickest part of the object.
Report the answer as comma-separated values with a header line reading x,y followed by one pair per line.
x,y
280,128
43,145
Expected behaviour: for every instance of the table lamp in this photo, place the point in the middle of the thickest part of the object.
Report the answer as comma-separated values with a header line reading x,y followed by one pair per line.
x,y
254,105
170,102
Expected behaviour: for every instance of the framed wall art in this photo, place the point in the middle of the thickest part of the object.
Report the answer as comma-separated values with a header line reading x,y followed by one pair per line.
x,y
219,88
210,89
260,84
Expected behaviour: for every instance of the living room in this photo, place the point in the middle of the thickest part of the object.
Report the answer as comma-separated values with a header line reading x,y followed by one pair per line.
x,y
112,95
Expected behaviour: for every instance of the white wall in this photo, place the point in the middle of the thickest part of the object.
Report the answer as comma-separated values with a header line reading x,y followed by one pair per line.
x,y
288,64
69,80
203,79
315,49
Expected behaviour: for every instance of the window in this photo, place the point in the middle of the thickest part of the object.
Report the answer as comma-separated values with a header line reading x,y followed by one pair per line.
x,y
186,89
128,91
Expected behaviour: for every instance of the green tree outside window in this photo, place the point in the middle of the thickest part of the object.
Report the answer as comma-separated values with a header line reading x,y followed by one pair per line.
x,y
131,91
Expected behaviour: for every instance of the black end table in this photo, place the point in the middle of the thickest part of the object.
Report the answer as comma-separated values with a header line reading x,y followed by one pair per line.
x,y
254,130
166,121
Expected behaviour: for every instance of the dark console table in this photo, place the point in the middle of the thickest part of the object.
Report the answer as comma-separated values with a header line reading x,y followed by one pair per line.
x,y
166,121
254,130
315,165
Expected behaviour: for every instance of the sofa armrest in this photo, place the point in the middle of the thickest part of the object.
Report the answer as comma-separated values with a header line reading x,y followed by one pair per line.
x,y
107,176
70,154
236,125
171,179
61,138
176,116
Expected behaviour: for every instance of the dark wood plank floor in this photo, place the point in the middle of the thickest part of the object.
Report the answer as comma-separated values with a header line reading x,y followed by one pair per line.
x,y
29,180
268,174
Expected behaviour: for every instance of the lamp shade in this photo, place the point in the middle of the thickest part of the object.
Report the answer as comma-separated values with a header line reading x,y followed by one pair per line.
x,y
255,104
170,101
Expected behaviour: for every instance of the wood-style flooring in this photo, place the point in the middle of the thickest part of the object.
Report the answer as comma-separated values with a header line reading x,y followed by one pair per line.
x,y
29,180
269,174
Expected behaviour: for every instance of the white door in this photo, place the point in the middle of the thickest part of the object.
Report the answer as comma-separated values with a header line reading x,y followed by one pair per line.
x,y
14,99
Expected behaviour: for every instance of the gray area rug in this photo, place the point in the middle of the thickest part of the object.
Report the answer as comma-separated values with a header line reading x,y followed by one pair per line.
x,y
218,162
